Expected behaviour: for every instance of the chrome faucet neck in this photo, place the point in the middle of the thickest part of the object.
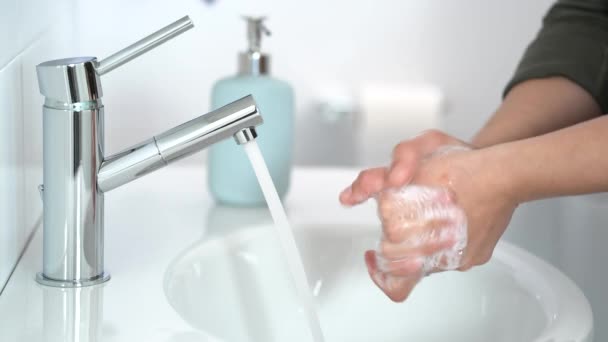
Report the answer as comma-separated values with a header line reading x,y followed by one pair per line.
x,y
76,171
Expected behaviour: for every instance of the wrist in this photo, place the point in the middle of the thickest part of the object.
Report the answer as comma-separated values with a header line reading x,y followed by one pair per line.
x,y
497,173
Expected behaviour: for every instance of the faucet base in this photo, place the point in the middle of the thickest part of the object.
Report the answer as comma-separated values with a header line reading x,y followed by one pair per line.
x,y
43,280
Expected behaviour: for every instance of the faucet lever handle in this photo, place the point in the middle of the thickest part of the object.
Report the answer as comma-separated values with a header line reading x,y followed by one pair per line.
x,y
144,45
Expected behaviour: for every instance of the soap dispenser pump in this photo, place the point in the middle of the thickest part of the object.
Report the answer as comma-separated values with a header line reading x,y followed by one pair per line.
x,y
253,61
231,177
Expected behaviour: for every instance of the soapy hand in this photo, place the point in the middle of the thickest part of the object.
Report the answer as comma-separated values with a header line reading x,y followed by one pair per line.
x,y
407,156
449,216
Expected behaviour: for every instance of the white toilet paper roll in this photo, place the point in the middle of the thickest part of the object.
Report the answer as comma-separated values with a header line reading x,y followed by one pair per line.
x,y
392,113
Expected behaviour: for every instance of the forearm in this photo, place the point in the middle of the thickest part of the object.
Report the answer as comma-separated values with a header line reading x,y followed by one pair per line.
x,y
570,161
537,107
562,78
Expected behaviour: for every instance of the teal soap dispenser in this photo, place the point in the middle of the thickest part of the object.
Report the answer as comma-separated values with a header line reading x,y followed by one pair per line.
x,y
231,177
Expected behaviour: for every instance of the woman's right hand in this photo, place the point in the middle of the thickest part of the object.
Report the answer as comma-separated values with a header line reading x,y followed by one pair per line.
x,y
407,156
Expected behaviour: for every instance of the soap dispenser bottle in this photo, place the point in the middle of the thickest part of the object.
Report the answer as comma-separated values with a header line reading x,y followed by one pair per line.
x,y
231,177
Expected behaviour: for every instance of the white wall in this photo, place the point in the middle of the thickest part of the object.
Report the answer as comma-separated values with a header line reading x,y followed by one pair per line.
x,y
28,36
315,43
469,48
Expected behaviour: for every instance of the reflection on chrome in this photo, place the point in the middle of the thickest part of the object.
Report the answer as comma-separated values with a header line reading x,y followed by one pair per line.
x,y
72,314
78,171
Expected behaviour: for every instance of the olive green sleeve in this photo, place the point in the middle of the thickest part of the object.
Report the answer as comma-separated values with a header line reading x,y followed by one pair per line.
x,y
572,43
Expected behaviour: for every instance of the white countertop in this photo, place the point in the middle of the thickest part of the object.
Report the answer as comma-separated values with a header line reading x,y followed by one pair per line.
x,y
147,224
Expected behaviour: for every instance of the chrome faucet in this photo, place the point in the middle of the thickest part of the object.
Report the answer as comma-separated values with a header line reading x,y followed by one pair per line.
x,y
76,171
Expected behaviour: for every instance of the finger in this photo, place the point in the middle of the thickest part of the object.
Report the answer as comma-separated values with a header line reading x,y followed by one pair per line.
x,y
426,244
368,183
404,267
402,169
415,203
407,154
396,288
424,143
447,261
398,230
370,261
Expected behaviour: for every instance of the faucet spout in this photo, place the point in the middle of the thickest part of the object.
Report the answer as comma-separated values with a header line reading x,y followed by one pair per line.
x,y
76,171
237,119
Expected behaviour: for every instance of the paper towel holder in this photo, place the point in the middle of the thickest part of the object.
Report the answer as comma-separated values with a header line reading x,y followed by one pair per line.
x,y
335,104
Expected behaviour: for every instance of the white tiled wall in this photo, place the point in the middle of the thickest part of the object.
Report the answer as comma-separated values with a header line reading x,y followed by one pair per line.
x,y
11,168
30,33
8,30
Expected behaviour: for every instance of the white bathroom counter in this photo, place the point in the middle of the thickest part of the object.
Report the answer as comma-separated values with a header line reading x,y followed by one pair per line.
x,y
148,223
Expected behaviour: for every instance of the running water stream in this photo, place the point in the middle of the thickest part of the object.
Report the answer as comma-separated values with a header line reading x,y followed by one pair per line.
x,y
285,235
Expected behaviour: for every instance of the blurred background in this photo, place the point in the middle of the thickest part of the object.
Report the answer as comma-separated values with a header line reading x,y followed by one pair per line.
x,y
350,63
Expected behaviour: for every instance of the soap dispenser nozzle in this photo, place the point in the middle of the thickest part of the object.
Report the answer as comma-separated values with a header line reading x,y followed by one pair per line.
x,y
253,61
255,29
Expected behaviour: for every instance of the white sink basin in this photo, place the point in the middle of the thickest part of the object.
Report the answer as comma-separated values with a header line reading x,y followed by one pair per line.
x,y
232,284
236,287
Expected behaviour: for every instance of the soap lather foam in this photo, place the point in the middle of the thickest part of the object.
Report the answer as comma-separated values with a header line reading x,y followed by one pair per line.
x,y
414,212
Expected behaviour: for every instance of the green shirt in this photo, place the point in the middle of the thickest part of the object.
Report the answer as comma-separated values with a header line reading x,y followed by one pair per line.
x,y
572,43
